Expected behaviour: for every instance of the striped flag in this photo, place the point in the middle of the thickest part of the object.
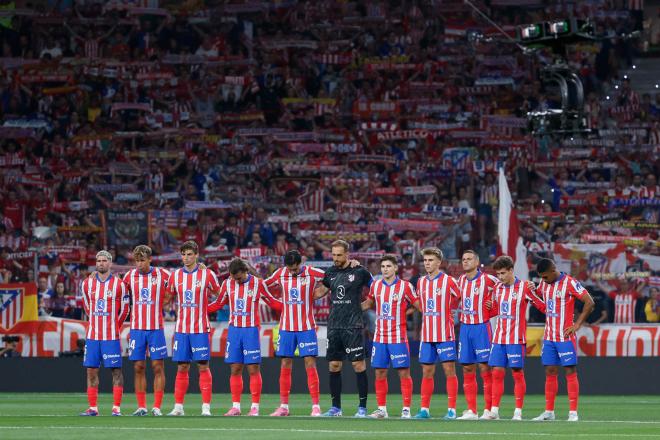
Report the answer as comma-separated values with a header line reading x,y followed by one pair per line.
x,y
511,243
18,302
312,202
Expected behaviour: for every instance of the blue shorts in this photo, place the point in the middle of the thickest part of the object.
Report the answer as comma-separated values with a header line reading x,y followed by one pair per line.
x,y
243,345
559,353
474,343
140,339
189,347
507,355
383,355
305,341
109,351
432,352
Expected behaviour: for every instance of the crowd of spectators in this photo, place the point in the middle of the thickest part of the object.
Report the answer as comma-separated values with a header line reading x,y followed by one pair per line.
x,y
257,127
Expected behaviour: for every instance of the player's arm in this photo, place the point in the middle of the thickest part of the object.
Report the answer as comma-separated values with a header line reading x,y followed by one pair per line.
x,y
581,294
454,291
533,296
85,297
323,288
369,301
125,304
221,301
269,298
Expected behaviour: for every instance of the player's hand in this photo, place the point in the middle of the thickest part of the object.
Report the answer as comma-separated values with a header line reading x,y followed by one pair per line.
x,y
93,274
354,263
570,331
489,304
530,285
202,266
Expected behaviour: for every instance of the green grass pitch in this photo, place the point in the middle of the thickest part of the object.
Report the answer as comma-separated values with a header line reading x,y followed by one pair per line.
x,y
54,416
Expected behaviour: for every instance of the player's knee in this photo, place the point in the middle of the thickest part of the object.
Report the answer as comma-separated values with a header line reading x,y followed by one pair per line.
x,y
551,370
253,369
310,362
469,368
288,362
380,373
404,373
138,367
236,369
334,366
359,366
157,367
183,367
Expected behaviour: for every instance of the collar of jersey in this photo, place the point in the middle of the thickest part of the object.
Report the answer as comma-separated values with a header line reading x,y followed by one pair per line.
x,y
476,276
515,281
246,280
101,281
192,271
396,280
300,272
151,269
561,277
434,278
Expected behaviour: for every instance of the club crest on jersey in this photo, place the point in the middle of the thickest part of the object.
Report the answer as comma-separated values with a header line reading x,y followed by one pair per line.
x,y
351,278
154,281
250,292
395,297
475,290
437,290
304,281
188,295
100,305
198,283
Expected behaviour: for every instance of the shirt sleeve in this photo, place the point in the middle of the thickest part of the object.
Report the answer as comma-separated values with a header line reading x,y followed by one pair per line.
x,y
410,293
326,280
371,295
125,302
85,296
535,299
367,279
274,279
269,298
221,300
576,289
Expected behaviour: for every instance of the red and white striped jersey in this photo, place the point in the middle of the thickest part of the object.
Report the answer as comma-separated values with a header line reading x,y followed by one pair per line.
x,y
391,301
624,306
147,294
312,202
107,304
192,291
559,298
297,296
510,305
439,298
243,299
474,294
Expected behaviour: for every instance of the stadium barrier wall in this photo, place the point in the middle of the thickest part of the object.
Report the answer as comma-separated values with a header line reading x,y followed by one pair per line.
x,y
598,376
49,337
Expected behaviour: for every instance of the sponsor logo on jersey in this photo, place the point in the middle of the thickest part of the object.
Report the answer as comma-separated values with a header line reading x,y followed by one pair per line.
x,y
100,304
188,296
145,294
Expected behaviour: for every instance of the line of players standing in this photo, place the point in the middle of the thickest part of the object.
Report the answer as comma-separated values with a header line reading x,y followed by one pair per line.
x,y
144,290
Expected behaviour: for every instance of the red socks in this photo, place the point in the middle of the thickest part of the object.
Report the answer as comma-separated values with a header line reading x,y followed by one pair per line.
x,y
206,385
498,387
406,391
313,384
427,391
141,397
551,387
469,389
488,388
381,391
573,391
158,399
236,387
117,392
519,387
180,386
255,387
92,396
285,385
452,391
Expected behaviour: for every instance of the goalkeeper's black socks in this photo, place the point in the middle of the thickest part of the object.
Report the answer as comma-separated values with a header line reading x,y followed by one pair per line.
x,y
363,388
335,388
